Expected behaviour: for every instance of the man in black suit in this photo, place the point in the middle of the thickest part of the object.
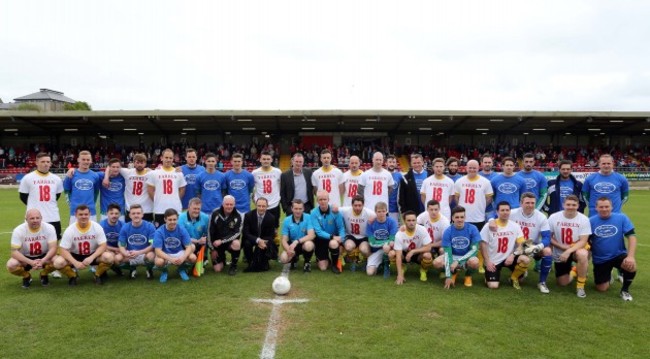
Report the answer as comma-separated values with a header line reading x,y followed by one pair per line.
x,y
295,183
258,234
409,190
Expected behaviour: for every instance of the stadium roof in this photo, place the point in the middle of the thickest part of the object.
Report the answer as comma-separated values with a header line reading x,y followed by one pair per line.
x,y
45,95
275,122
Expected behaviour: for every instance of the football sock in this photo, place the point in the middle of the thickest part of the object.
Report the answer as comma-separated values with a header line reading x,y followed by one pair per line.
x,y
334,254
307,256
545,268
480,259
102,268
520,269
20,271
426,263
469,272
47,269
67,270
581,282
235,257
627,280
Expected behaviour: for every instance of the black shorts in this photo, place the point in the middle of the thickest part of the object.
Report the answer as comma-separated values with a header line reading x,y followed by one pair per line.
x,y
322,249
496,275
603,271
28,267
479,225
221,253
82,257
356,241
564,268
158,220
414,259
276,213
57,228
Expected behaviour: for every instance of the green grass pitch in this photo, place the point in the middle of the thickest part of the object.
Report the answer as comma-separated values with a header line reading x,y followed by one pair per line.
x,y
347,316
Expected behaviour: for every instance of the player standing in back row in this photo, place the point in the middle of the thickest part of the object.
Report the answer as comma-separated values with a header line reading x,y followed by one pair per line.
x,y
377,183
329,179
267,185
166,187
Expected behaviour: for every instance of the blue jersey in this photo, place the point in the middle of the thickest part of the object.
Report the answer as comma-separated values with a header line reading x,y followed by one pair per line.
x,y
137,238
460,240
454,178
82,188
294,231
240,185
171,242
380,233
196,228
113,194
392,197
327,224
613,186
192,188
535,182
490,207
566,189
508,189
112,232
210,185
608,236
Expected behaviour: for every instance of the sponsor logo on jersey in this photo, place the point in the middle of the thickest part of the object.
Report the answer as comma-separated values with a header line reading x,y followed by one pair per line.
x,y
190,178
84,184
530,183
115,187
137,239
605,187
211,185
507,188
237,184
382,234
459,242
606,230
172,243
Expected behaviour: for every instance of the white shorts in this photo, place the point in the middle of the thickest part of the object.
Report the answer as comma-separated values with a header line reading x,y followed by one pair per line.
x,y
175,255
376,258
137,261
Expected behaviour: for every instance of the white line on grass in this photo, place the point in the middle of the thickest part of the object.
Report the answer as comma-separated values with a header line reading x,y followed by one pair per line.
x,y
268,350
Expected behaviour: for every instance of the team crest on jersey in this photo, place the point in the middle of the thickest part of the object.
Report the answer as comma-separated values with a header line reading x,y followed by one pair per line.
x,y
507,188
115,187
605,187
459,242
190,178
382,234
137,239
232,224
211,185
565,191
530,183
172,243
237,184
606,230
84,184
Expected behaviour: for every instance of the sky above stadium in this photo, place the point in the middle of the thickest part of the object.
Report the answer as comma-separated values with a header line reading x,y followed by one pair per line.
x,y
424,55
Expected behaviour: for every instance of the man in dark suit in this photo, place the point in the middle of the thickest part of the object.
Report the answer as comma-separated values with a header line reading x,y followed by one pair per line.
x,y
295,183
409,190
258,234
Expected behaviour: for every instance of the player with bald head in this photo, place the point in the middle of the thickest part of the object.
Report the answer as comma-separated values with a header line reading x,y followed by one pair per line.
x,y
351,180
376,183
33,245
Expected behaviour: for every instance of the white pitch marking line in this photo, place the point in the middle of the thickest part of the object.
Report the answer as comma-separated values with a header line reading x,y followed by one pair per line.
x,y
268,350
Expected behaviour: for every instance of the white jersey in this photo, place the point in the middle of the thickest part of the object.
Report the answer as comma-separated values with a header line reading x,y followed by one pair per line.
x,y
567,230
84,242
33,244
329,181
267,185
472,196
407,241
439,189
532,226
351,181
135,189
376,186
435,227
502,242
42,190
167,183
355,225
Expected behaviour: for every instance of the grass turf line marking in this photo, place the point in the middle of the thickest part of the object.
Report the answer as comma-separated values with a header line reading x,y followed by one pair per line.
x,y
268,350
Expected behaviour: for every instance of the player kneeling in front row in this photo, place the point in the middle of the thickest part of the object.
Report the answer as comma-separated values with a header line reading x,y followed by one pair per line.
x,y
297,236
381,236
356,219
33,245
112,226
498,248
435,223
608,247
136,238
411,246
173,245
570,231
224,232
460,244
83,245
